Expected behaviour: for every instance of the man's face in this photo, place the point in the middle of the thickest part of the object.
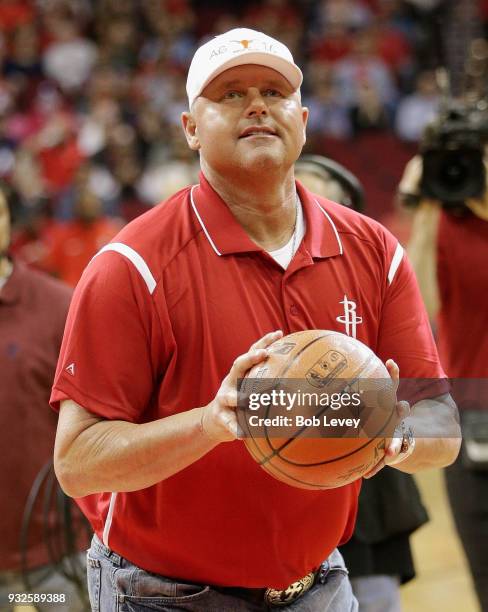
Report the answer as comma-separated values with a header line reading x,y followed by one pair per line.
x,y
4,226
248,117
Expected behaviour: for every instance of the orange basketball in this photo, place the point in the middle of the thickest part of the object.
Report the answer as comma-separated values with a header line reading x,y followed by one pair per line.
x,y
319,411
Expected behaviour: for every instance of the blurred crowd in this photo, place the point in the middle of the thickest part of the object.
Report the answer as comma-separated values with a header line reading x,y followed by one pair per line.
x,y
91,93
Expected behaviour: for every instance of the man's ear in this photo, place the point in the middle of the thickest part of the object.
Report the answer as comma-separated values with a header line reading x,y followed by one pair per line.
x,y
190,129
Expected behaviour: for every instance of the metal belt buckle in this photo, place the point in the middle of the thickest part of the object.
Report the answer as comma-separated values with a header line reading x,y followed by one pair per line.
x,y
287,596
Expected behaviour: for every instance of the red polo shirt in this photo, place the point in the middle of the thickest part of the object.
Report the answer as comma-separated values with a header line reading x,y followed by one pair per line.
x,y
463,285
33,308
154,327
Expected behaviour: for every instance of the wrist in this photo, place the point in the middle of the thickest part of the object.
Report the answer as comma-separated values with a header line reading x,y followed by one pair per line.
x,y
407,445
202,426
210,428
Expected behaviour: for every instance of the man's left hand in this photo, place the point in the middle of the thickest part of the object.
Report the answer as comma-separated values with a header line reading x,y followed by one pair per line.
x,y
394,448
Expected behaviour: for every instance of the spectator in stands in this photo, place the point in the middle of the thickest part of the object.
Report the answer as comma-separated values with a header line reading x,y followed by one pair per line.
x,y
331,44
368,113
73,244
161,179
70,57
393,32
352,14
15,13
98,179
275,15
328,117
172,31
23,60
57,151
428,16
418,109
118,44
364,66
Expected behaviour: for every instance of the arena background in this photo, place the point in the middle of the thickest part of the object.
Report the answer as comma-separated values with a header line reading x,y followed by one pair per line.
x,y
91,93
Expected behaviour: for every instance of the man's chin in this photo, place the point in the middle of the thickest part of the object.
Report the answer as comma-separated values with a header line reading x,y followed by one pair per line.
x,y
263,160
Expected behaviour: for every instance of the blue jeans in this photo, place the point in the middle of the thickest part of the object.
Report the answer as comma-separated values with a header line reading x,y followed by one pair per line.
x,y
378,593
116,585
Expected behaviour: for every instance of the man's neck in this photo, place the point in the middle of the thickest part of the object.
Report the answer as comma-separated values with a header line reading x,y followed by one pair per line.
x,y
265,206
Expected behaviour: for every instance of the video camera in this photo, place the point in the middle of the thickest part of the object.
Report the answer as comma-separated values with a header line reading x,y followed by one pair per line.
x,y
453,150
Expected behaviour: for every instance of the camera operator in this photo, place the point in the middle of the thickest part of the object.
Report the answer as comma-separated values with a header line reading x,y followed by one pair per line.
x,y
448,185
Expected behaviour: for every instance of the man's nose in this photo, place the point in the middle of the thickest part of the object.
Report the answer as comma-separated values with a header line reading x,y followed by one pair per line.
x,y
256,106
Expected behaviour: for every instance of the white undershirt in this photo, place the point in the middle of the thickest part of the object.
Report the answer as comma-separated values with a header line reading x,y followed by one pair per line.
x,y
283,255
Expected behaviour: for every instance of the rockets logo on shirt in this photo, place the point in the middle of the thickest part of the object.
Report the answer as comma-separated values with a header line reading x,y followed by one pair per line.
x,y
350,320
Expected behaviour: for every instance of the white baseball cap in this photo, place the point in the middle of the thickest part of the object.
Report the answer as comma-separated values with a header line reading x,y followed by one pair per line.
x,y
235,48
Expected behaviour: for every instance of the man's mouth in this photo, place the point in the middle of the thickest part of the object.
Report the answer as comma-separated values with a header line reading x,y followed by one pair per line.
x,y
257,131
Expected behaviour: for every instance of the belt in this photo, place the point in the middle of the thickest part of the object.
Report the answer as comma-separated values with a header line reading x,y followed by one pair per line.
x,y
275,597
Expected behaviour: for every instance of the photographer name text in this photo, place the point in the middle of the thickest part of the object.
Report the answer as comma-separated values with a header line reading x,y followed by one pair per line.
x,y
280,399
301,421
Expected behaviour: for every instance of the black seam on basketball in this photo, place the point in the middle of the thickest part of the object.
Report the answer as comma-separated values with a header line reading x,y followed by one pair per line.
x,y
308,465
276,451
288,365
304,482
313,485
278,379
284,372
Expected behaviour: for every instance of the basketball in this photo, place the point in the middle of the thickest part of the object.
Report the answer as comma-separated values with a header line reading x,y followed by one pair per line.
x,y
319,411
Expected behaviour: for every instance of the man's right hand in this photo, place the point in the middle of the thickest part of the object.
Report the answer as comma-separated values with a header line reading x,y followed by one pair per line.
x,y
93,454
219,419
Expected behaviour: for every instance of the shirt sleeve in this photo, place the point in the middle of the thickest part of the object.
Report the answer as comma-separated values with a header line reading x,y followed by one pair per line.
x,y
112,349
405,334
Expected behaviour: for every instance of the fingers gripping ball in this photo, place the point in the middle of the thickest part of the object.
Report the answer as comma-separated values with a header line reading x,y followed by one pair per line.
x,y
339,403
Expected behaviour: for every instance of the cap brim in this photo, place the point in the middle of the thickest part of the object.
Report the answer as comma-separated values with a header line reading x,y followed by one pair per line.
x,y
290,71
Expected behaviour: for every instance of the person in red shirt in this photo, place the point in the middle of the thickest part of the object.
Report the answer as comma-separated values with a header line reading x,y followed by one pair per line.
x,y
33,309
70,246
166,319
449,251
15,13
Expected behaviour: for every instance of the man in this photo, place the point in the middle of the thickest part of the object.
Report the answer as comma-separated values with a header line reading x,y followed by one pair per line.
x,y
167,318
448,250
33,310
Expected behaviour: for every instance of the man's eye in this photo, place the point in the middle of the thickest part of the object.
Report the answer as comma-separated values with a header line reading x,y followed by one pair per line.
x,y
231,95
272,93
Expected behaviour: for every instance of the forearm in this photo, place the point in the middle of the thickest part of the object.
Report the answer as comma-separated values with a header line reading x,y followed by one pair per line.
x,y
422,252
435,425
121,456
92,454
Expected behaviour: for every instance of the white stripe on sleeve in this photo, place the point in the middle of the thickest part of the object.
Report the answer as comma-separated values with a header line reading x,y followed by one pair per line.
x,y
395,263
134,257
